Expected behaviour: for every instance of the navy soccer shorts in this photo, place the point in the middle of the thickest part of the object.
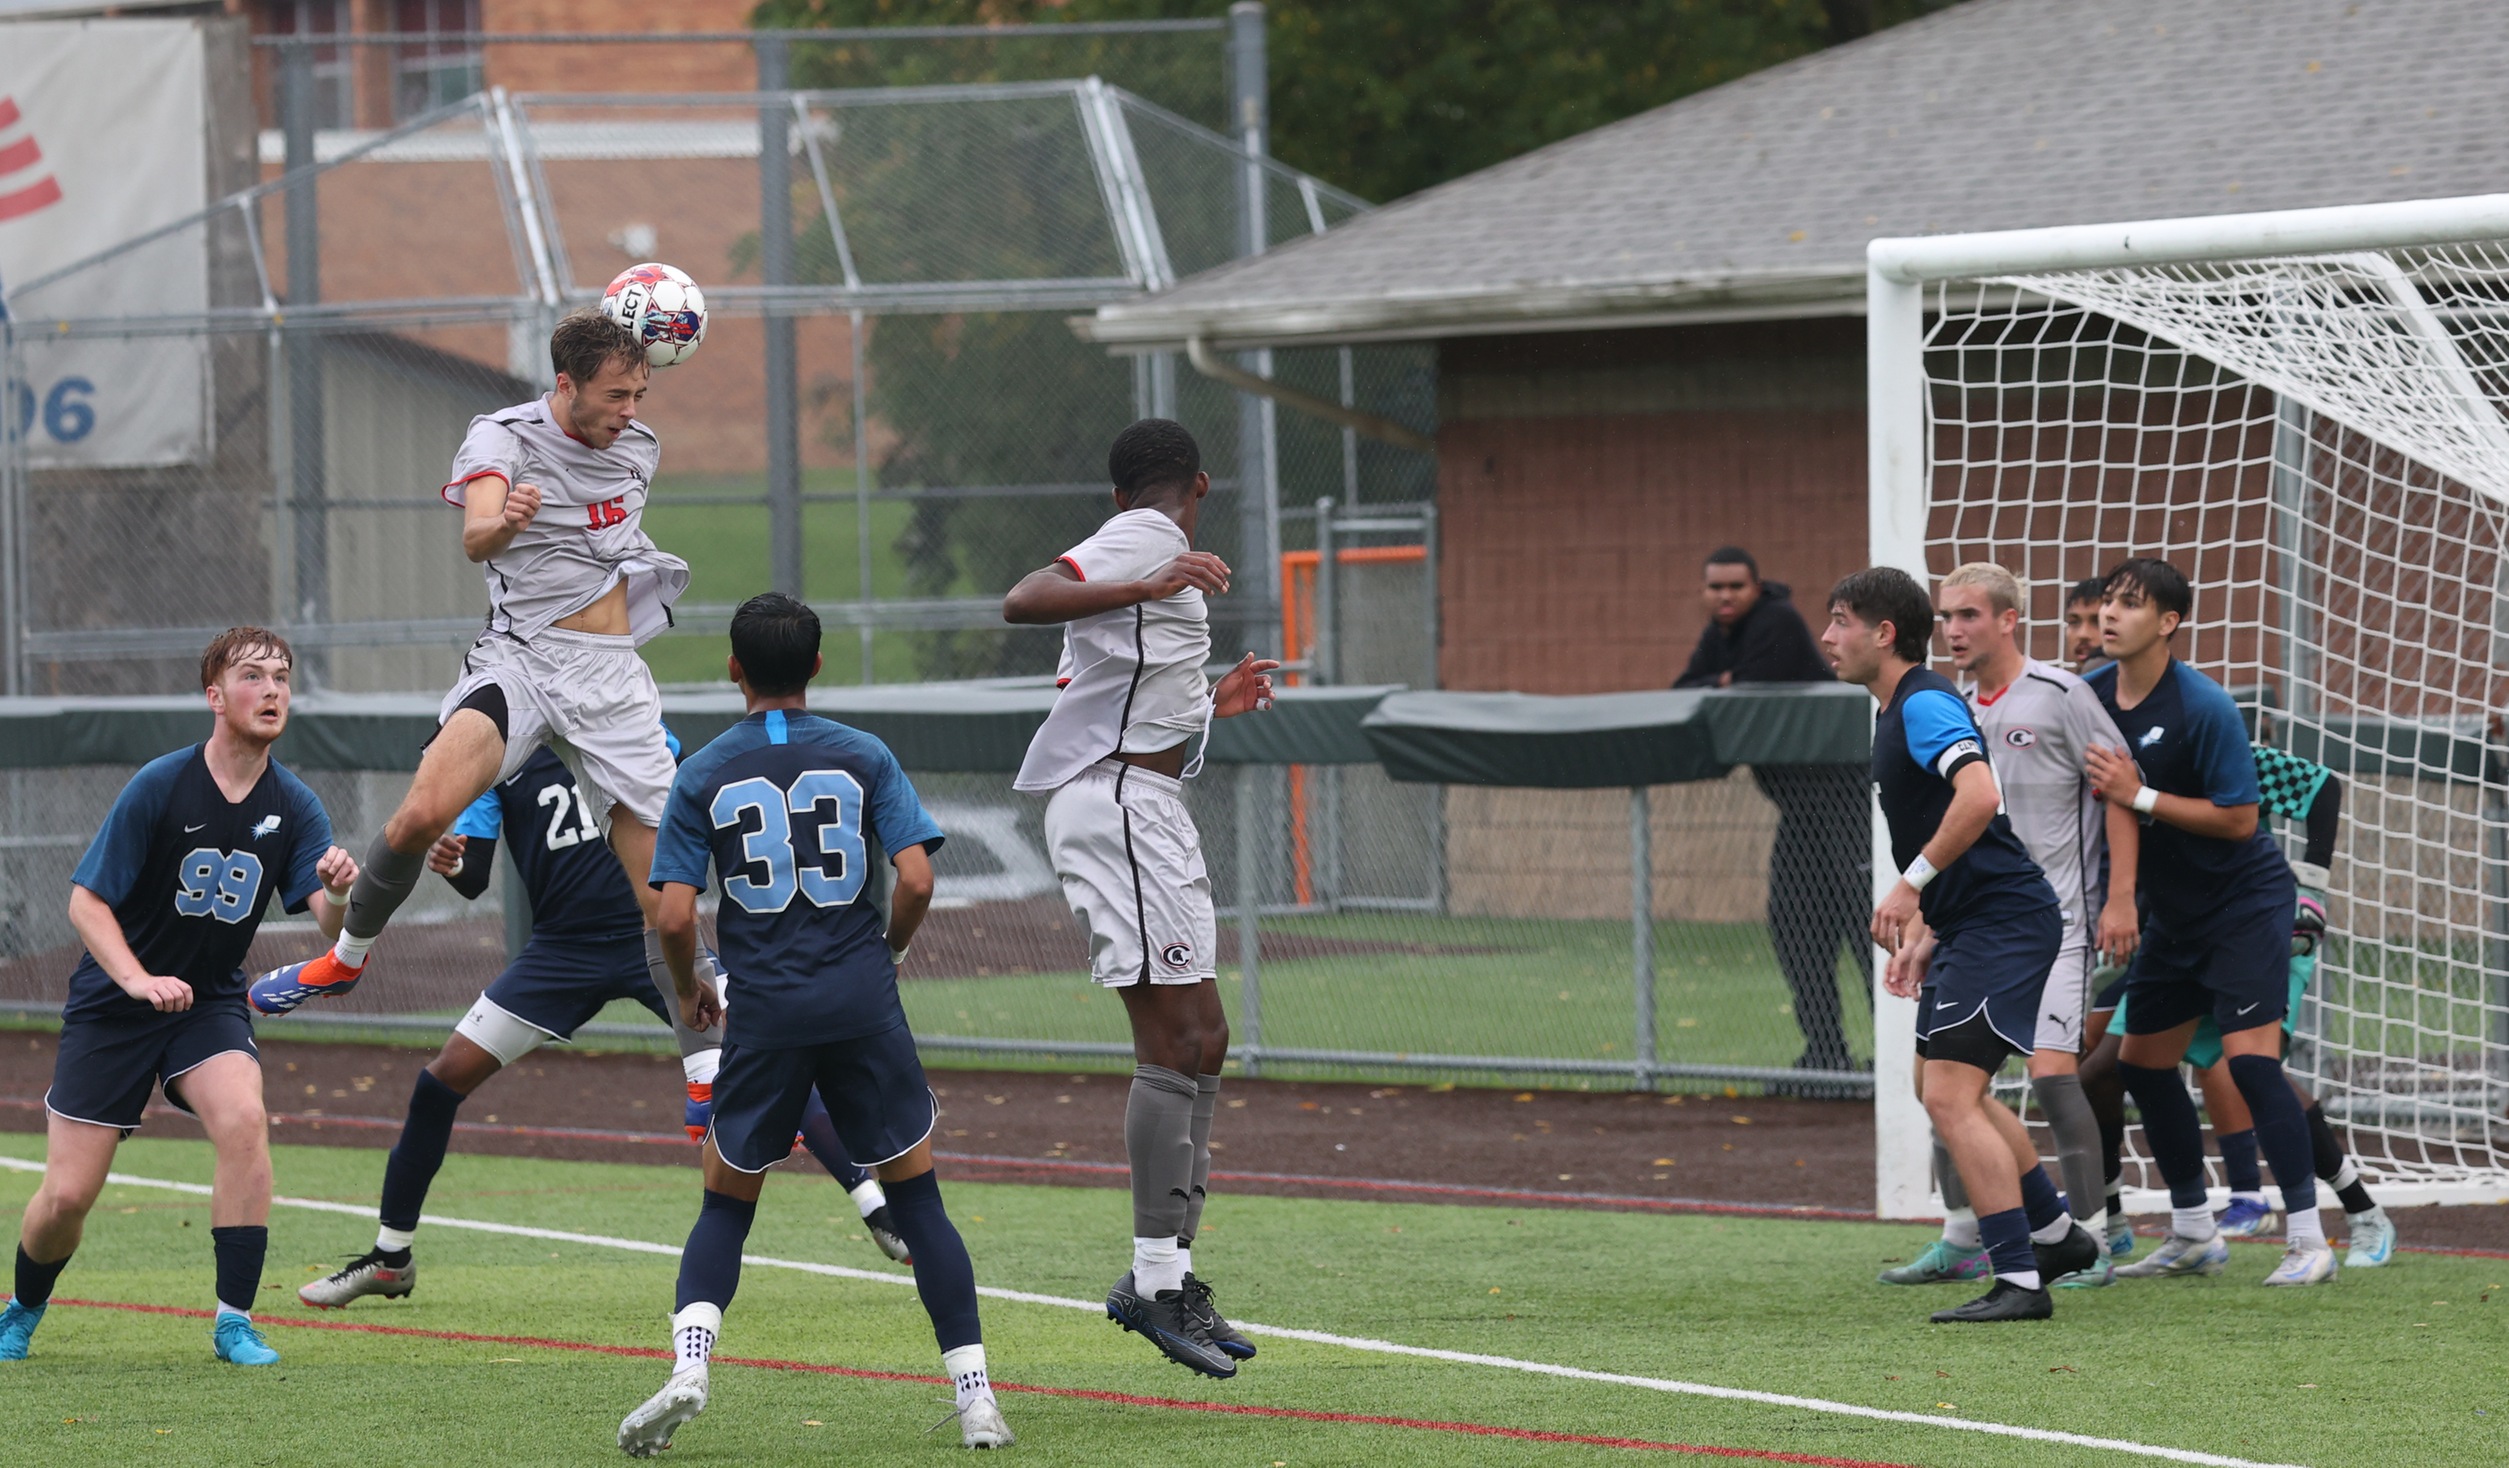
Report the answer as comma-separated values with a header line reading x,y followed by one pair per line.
x,y
106,1068
874,1088
1993,969
559,981
2238,971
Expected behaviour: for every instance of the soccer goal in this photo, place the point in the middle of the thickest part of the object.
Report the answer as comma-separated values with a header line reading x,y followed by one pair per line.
x,y
2305,412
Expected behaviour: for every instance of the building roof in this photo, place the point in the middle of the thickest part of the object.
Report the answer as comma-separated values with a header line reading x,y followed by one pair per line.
x,y
1757,198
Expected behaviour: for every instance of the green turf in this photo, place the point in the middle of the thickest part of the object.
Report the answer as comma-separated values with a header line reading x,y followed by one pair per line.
x,y
2394,1367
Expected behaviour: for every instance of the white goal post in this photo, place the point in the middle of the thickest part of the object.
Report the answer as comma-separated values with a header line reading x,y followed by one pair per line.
x,y
2304,411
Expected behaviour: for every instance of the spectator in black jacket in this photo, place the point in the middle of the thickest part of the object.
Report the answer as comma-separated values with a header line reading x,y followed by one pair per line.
x,y
1820,883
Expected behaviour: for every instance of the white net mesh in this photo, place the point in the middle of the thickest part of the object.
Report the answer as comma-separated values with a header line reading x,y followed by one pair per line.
x,y
2319,444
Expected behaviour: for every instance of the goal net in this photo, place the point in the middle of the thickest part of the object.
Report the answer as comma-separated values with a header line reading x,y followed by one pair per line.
x,y
2304,413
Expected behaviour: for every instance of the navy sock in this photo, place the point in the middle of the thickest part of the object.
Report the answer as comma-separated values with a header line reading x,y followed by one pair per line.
x,y
34,1280
411,1169
944,1275
2282,1132
2239,1169
710,1267
2007,1239
2171,1127
240,1249
2041,1204
818,1133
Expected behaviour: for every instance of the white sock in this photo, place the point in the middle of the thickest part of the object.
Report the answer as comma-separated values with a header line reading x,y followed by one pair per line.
x,y
700,1067
2097,1223
965,1367
2302,1229
1157,1267
1184,1258
393,1240
1960,1229
2056,1232
2027,1279
2193,1224
225,1310
868,1199
352,951
692,1335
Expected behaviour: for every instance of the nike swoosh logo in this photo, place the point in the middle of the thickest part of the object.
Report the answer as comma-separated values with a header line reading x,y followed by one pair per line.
x,y
2252,1006
187,830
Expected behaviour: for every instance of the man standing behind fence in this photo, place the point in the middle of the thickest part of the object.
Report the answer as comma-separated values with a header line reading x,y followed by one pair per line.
x,y
1820,883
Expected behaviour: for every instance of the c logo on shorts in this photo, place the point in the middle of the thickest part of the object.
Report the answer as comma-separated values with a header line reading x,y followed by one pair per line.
x,y
2021,738
1176,955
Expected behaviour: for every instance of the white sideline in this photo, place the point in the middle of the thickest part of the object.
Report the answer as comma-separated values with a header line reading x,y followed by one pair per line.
x,y
1313,1337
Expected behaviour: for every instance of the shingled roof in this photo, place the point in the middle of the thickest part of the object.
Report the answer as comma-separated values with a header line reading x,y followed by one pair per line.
x,y
1756,198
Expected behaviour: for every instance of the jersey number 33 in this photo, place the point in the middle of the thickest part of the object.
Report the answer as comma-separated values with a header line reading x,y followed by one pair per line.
x,y
831,876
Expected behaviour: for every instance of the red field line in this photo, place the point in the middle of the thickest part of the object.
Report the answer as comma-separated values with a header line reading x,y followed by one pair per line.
x,y
1121,1399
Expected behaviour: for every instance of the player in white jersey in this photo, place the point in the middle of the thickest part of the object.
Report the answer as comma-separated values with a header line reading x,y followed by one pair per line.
x,y
2040,721
552,494
1113,753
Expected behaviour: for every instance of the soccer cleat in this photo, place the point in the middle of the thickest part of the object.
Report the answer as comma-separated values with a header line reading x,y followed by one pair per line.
x,y
282,989
17,1329
238,1342
1164,1319
980,1424
884,1233
2006,1301
2305,1264
1207,1315
367,1274
647,1430
698,1115
2078,1250
1943,1262
2120,1236
2177,1256
2097,1276
2247,1217
2373,1244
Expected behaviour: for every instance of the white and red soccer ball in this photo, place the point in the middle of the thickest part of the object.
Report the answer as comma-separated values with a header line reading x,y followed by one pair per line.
x,y
662,306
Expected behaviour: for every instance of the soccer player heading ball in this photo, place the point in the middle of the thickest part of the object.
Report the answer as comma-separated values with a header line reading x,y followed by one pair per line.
x,y
552,494
1112,753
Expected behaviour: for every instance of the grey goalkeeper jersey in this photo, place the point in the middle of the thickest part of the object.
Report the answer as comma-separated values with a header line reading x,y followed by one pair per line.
x,y
2038,733
589,535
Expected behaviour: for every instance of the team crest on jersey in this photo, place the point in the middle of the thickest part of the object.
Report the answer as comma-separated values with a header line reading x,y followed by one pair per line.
x,y
1176,955
2021,738
2150,737
267,825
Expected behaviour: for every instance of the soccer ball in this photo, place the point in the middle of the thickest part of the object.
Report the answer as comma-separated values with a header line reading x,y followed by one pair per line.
x,y
662,306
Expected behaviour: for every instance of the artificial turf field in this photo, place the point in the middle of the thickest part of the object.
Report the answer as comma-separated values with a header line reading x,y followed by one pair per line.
x,y
2399,1366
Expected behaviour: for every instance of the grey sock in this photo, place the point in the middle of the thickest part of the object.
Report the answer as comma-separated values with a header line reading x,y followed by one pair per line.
x,y
1206,1105
690,1041
1947,1177
1158,1139
385,880
2077,1130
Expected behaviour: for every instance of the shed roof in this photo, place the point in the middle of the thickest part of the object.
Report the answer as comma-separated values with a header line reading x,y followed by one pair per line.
x,y
1756,198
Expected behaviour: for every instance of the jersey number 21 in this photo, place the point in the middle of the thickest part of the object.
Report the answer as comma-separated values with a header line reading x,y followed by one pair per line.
x,y
831,877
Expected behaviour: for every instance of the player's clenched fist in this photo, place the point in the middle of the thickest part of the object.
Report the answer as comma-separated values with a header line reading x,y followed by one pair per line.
x,y
522,503
338,871
1198,570
1247,688
445,857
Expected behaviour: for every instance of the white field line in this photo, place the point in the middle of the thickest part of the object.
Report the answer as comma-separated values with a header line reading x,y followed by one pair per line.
x,y
1313,1337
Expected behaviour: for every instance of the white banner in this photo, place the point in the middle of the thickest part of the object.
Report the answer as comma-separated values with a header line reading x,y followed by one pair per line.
x,y
102,138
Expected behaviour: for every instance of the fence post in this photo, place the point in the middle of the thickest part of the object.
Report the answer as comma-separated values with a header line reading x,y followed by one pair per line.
x,y
1324,826
1642,933
306,489
775,262
1257,515
1249,941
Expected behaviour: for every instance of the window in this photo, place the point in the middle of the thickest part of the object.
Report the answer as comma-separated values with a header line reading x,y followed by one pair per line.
x,y
331,63
442,68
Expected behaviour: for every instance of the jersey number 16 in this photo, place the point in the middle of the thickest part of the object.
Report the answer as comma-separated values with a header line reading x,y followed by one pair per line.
x,y
834,874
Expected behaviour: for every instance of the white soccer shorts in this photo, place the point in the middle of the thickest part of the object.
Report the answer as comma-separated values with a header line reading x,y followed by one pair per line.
x,y
591,699
2067,996
1131,865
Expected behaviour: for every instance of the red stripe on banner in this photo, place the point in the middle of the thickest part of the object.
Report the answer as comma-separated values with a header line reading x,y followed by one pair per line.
x,y
21,154
40,195
1119,1399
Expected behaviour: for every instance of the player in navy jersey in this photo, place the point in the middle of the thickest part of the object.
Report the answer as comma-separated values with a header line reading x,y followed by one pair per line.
x,y
586,949
166,901
796,814
1972,928
2218,898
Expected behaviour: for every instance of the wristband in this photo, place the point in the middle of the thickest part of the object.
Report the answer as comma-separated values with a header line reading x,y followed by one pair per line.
x,y
897,956
1919,873
2146,800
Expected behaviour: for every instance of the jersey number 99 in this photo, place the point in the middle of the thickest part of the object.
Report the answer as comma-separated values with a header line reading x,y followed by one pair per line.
x,y
218,884
833,875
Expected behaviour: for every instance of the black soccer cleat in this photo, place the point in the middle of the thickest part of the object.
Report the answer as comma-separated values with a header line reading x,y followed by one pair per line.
x,y
2007,1301
1205,1314
2078,1250
883,1229
1169,1325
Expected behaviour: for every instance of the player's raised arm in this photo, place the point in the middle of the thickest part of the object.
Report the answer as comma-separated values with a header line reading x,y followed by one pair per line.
x,y
338,871
1057,593
493,513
